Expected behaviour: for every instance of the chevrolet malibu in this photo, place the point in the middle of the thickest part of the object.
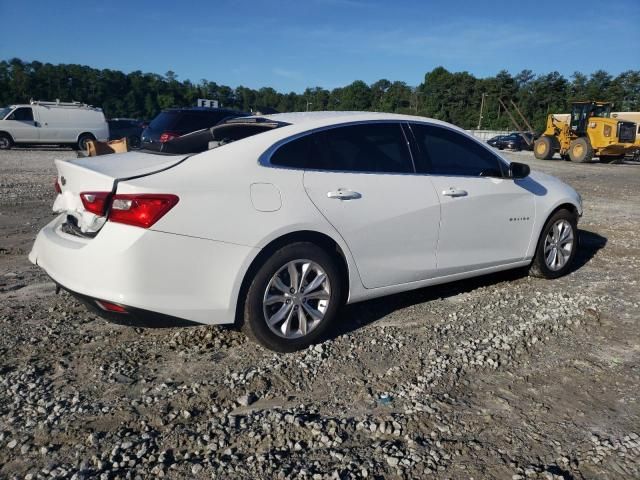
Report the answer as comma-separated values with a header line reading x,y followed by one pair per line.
x,y
274,222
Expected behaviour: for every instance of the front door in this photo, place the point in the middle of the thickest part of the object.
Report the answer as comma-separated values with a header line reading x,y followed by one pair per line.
x,y
23,127
486,218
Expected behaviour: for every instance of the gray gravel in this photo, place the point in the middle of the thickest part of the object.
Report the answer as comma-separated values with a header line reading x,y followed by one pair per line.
x,y
504,376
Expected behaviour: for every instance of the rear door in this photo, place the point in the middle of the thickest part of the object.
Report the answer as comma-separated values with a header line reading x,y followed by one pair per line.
x,y
362,179
23,126
486,218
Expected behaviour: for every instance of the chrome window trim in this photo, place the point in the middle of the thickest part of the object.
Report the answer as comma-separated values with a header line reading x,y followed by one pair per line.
x,y
265,158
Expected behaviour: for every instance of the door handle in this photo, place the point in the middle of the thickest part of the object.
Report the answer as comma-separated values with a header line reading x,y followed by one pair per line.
x,y
341,194
455,192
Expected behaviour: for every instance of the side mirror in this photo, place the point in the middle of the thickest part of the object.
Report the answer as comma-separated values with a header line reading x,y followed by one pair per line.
x,y
519,170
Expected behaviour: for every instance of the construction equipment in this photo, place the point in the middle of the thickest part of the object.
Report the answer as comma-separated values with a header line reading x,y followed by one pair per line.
x,y
587,132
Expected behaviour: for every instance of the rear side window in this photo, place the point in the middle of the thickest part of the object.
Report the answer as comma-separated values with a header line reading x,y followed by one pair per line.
x,y
24,114
367,148
446,152
294,154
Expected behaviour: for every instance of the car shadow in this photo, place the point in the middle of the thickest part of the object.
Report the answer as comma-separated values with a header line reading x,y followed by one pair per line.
x,y
353,317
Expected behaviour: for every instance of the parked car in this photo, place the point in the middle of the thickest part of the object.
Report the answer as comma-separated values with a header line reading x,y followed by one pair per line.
x,y
51,123
513,141
176,122
493,141
128,128
275,222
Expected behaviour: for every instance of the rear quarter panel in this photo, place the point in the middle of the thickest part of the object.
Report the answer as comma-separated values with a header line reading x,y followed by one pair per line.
x,y
215,203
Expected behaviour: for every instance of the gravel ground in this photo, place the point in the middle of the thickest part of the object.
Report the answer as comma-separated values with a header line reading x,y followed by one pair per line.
x,y
504,376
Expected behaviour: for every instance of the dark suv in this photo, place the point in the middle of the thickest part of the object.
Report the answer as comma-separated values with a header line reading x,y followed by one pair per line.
x,y
176,122
126,127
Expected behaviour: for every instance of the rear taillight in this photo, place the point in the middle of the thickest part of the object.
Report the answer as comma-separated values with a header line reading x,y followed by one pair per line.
x,y
95,202
140,210
166,136
57,186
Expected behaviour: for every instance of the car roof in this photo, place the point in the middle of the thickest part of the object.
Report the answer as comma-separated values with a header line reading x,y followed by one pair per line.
x,y
201,109
308,120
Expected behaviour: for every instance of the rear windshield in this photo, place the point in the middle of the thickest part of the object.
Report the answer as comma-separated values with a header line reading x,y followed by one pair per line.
x,y
226,132
164,121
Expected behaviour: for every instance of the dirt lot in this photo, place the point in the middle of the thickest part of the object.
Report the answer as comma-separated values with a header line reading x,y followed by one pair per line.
x,y
500,377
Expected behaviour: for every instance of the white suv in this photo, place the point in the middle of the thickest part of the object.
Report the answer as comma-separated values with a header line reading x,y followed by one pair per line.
x,y
52,123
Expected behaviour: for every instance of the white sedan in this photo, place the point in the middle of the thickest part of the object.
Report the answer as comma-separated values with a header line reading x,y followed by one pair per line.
x,y
274,222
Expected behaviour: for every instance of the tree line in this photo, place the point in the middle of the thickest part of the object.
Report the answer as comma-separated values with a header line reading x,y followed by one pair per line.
x,y
454,97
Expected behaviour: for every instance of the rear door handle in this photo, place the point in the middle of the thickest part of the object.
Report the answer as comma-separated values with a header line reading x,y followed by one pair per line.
x,y
341,194
455,192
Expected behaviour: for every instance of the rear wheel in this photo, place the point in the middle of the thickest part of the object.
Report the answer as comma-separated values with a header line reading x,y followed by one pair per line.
x,y
543,149
293,298
580,150
6,142
82,141
557,246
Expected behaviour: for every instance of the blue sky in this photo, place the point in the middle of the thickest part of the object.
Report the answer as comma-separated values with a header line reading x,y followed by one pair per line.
x,y
291,45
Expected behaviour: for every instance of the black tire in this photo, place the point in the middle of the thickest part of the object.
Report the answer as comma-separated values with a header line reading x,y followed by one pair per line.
x,y
254,321
539,267
6,142
544,148
82,141
580,150
134,142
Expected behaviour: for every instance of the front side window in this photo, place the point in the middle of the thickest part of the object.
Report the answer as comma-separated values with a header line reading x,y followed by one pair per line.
x,y
446,152
369,148
24,114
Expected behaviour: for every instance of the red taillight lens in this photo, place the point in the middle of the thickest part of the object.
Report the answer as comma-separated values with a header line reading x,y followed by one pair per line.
x,y
111,307
140,210
57,186
166,136
95,202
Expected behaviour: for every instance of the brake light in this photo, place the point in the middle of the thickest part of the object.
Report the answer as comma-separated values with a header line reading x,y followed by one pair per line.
x,y
95,202
166,136
57,186
141,210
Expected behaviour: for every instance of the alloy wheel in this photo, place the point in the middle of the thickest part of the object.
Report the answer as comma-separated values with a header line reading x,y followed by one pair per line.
x,y
296,299
558,245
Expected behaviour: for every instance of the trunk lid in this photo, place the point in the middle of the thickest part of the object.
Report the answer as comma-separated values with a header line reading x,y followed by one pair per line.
x,y
100,174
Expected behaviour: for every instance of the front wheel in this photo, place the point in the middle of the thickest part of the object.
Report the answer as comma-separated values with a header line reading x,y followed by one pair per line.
x,y
557,246
544,148
293,298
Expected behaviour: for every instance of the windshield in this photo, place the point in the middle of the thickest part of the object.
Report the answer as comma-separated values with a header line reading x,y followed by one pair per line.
x,y
4,111
603,111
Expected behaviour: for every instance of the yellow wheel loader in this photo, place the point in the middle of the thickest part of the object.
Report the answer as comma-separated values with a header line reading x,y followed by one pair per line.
x,y
589,131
